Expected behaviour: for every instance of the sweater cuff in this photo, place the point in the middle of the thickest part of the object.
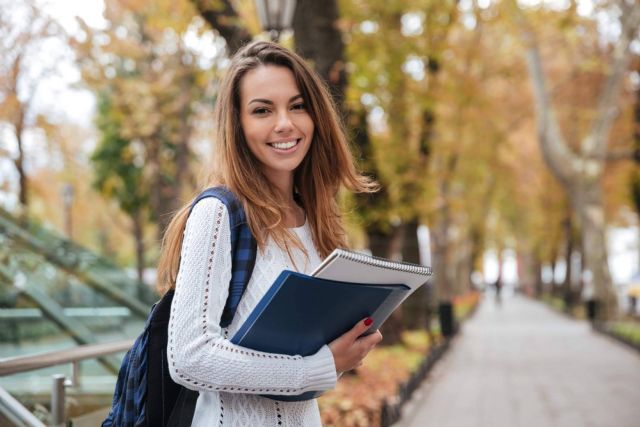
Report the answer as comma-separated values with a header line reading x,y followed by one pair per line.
x,y
320,370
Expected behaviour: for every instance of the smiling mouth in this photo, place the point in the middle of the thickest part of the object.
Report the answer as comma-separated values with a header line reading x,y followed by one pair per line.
x,y
284,146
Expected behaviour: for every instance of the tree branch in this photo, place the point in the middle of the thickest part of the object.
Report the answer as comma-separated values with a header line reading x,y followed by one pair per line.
x,y
561,160
615,156
223,18
595,144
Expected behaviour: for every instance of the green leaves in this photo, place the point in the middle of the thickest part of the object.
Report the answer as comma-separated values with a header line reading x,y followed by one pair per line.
x,y
152,72
118,173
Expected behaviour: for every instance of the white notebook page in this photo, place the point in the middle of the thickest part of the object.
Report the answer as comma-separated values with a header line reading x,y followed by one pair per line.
x,y
355,267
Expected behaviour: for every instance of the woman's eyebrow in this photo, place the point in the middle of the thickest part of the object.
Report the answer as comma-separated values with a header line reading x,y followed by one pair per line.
x,y
267,101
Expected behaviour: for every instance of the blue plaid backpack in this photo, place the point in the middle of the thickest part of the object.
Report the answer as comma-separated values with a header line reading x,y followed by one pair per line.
x,y
145,394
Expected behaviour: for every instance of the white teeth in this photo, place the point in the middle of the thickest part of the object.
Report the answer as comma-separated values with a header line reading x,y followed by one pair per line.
x,y
284,145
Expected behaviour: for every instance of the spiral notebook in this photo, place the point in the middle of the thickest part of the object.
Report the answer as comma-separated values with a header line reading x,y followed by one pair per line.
x,y
357,267
300,313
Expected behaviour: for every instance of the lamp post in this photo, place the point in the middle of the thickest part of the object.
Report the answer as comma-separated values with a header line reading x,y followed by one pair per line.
x,y
67,199
275,16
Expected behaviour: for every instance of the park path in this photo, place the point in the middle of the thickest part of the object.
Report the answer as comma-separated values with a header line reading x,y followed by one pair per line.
x,y
520,364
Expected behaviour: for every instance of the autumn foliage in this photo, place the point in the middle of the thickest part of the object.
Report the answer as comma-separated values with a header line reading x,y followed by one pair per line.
x,y
358,399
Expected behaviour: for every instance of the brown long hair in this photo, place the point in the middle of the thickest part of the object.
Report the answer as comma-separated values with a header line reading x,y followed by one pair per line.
x,y
326,167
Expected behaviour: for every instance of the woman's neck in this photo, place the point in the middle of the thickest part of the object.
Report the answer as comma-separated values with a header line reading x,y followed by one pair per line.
x,y
283,185
294,214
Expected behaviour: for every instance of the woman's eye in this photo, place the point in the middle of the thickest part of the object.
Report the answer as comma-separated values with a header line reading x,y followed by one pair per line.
x,y
260,111
300,106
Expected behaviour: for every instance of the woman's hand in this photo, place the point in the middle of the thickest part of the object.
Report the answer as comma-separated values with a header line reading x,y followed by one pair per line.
x,y
350,349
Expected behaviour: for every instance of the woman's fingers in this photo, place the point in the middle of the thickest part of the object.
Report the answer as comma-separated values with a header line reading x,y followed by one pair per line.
x,y
352,347
359,329
371,341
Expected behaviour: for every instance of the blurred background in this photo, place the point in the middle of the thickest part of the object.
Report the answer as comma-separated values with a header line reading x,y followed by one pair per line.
x,y
505,135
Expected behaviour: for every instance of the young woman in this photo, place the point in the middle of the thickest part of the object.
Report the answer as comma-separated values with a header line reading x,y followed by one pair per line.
x,y
281,150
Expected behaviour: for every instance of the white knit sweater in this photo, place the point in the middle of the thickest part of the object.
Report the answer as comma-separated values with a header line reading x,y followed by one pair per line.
x,y
228,377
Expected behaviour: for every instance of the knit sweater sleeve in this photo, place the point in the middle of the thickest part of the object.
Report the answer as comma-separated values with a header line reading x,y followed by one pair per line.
x,y
199,356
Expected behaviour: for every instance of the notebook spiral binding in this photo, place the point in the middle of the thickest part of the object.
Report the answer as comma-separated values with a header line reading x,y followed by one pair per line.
x,y
381,262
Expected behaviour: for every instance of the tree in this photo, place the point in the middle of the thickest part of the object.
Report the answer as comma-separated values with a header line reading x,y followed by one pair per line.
x,y
580,173
635,177
317,35
395,60
318,38
223,17
97,222
152,86
24,30
469,177
120,175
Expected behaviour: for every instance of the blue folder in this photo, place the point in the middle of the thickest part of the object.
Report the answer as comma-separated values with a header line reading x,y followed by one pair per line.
x,y
300,313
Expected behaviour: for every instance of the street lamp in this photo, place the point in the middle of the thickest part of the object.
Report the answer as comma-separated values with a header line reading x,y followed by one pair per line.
x,y
275,15
67,199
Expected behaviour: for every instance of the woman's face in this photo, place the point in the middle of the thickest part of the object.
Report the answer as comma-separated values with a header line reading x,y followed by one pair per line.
x,y
275,121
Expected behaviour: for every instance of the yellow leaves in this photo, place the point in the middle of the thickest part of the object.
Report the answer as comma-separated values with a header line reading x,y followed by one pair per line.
x,y
136,109
357,399
417,340
9,107
143,62
248,15
110,186
345,405
158,15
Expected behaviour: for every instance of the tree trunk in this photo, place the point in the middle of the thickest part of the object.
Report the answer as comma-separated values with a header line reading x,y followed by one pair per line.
x,y
223,18
318,39
462,266
477,249
23,196
635,178
539,284
440,249
138,235
379,241
439,255
537,278
553,263
183,151
415,308
526,275
580,249
580,174
411,246
592,223
498,284
441,259
567,288
385,244
470,262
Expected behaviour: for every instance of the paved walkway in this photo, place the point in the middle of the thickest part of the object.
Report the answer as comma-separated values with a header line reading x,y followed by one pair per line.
x,y
520,364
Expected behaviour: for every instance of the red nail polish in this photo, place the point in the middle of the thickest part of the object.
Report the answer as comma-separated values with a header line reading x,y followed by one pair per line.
x,y
368,321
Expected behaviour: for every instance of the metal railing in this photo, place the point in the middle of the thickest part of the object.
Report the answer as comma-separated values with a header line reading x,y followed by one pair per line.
x,y
17,413
74,355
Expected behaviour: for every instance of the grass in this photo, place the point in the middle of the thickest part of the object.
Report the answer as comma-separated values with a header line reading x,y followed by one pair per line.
x,y
629,330
558,304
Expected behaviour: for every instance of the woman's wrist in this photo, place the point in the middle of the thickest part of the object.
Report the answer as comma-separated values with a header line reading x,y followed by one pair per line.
x,y
320,370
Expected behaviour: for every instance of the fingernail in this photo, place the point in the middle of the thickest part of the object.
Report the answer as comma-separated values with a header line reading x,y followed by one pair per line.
x,y
368,321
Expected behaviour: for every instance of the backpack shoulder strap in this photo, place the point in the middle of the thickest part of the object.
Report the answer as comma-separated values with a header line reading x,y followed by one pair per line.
x,y
175,404
145,393
243,248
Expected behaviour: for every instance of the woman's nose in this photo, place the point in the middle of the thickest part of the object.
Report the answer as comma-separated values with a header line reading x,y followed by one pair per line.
x,y
283,123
